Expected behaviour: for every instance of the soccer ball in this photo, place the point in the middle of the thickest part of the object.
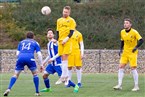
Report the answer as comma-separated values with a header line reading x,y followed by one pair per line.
x,y
45,10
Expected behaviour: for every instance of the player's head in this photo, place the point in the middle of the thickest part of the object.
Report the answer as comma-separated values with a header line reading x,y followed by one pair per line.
x,y
127,23
30,35
66,11
50,33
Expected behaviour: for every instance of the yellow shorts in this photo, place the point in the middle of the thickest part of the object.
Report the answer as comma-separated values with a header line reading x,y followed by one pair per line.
x,y
64,49
129,58
74,59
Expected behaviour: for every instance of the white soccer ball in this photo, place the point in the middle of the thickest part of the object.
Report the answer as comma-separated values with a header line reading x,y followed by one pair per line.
x,y
46,10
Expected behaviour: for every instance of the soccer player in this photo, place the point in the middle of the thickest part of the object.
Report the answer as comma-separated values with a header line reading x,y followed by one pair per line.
x,y
75,58
65,29
53,59
25,56
130,42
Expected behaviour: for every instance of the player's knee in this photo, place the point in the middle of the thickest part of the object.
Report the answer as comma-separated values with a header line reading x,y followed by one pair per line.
x,y
34,72
78,67
122,66
45,76
16,75
69,68
133,67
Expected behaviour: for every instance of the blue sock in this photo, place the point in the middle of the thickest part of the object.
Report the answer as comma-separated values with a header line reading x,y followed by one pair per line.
x,y
12,82
47,84
71,83
36,83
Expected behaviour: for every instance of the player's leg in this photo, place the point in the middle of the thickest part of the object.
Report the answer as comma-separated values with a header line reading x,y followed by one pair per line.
x,y
79,75
12,82
64,75
36,81
66,52
49,70
69,77
78,64
32,66
47,83
120,77
123,62
60,52
133,65
19,67
135,77
71,64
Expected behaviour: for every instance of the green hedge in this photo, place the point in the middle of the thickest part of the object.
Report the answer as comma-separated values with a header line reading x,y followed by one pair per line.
x,y
100,22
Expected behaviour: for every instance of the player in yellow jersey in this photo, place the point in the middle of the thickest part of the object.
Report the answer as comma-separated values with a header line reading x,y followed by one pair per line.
x,y
130,42
65,28
75,58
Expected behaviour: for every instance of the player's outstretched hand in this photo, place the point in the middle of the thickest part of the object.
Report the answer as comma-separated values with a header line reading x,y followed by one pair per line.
x,y
134,49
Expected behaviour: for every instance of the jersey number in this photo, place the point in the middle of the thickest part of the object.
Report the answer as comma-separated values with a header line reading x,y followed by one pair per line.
x,y
26,46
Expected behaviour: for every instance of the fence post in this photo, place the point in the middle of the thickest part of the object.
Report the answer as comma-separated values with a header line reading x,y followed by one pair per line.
x,y
99,61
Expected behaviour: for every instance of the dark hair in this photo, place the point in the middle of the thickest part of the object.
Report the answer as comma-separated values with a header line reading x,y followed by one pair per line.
x,y
67,7
50,29
30,34
128,19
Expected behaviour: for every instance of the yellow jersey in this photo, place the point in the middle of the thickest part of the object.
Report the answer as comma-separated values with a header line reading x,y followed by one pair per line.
x,y
76,39
130,39
64,25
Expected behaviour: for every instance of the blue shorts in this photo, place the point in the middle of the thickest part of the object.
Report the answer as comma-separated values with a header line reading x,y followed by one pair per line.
x,y
52,69
22,61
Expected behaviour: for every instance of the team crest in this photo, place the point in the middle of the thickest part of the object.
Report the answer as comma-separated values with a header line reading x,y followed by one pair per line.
x,y
67,21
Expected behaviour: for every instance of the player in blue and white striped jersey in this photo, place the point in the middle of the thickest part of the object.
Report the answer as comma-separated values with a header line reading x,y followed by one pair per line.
x,y
53,60
25,56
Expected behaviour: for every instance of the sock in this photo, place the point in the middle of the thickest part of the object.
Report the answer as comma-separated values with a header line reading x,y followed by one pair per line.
x,y
120,76
71,83
47,84
79,75
12,82
69,74
36,83
64,69
135,77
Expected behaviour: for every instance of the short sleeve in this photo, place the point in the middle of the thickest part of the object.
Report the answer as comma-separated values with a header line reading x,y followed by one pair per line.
x,y
138,37
72,24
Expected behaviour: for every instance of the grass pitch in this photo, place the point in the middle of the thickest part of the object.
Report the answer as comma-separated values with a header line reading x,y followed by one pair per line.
x,y
94,85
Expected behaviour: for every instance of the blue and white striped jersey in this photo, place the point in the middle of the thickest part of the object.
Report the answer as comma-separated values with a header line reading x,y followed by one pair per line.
x,y
52,51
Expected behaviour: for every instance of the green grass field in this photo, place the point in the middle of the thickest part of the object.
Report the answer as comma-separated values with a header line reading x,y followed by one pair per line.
x,y
94,85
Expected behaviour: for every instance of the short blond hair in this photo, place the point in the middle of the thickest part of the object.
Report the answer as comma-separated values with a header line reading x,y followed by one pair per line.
x,y
128,19
67,7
